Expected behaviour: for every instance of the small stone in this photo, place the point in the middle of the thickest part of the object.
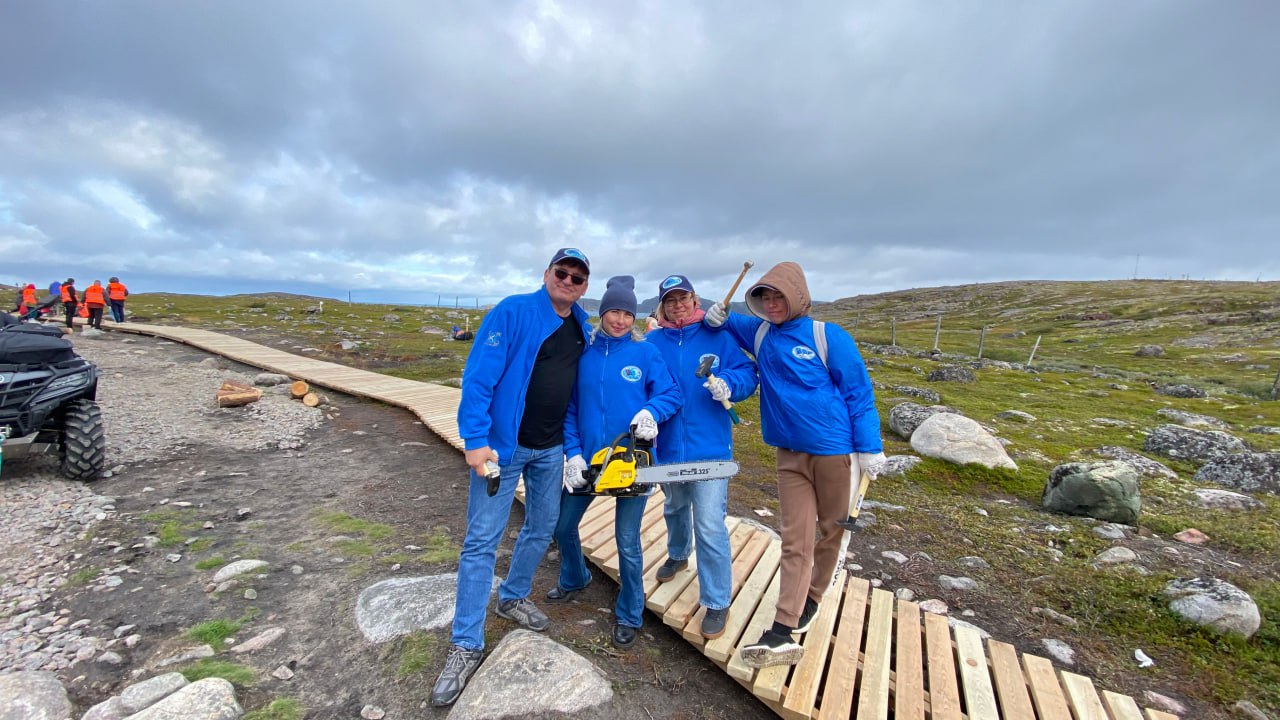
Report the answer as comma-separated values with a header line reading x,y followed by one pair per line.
x,y
372,712
1191,536
282,673
250,594
935,606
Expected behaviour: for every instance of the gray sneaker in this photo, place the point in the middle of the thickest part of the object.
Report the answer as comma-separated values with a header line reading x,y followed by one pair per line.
x,y
524,613
458,668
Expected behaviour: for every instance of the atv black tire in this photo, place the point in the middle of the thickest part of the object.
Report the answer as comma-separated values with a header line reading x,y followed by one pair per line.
x,y
84,441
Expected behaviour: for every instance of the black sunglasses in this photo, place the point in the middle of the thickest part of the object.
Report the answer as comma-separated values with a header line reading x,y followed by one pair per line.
x,y
562,274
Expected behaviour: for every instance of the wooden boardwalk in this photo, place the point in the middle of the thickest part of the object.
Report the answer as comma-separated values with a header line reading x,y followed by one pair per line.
x,y
868,655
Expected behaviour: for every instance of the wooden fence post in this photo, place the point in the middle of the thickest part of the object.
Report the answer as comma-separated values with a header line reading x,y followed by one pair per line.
x,y
1275,386
1033,350
937,333
893,331
856,320
982,337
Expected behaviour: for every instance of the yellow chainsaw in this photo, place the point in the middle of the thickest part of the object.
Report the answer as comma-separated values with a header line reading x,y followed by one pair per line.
x,y
624,469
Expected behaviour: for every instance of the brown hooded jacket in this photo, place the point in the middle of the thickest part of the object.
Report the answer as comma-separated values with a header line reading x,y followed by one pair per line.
x,y
788,279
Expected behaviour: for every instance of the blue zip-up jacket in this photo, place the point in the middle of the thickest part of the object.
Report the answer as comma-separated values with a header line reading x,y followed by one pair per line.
x,y
702,429
496,377
617,378
804,406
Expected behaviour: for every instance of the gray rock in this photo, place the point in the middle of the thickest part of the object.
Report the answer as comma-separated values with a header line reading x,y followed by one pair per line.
x,y
1264,430
905,418
926,395
1250,472
151,691
974,562
1164,703
267,379
1115,556
33,696
1191,419
1110,531
207,699
1149,351
1056,616
1248,711
897,465
391,608
1016,416
196,653
1060,651
1145,466
952,373
239,567
1214,604
958,439
529,675
1180,391
259,641
1225,500
1104,490
1198,446
109,709
957,584
391,318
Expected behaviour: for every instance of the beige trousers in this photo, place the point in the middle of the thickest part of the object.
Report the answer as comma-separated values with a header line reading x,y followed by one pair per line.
x,y
812,490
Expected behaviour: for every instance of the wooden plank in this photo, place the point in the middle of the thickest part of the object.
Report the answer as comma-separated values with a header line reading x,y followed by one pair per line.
x,y
1085,703
1046,693
980,698
670,591
1122,707
760,621
802,690
837,698
1159,715
746,601
944,688
1011,686
739,535
908,690
873,695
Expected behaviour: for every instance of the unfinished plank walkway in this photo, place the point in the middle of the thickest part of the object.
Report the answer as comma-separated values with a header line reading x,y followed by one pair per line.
x,y
868,656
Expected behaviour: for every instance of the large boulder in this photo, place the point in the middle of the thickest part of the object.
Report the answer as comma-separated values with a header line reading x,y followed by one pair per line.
x,y
1250,472
1103,490
1198,446
530,675
1180,391
33,696
1214,604
952,373
958,439
906,417
1191,419
208,699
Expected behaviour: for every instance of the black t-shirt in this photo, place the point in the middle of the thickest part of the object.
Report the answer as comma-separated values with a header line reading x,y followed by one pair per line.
x,y
550,387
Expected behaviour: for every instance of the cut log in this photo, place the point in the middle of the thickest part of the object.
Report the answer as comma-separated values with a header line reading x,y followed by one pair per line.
x,y
234,397
312,399
235,385
298,389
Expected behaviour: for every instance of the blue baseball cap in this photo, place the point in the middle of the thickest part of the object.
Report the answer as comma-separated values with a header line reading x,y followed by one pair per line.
x,y
674,282
573,254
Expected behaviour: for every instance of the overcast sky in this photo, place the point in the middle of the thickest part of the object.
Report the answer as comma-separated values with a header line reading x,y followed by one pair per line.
x,y
426,148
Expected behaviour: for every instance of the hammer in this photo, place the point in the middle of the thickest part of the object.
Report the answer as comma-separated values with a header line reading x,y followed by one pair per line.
x,y
729,298
704,371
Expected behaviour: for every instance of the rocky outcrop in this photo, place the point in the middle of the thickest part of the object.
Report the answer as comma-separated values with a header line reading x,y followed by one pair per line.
x,y
1191,419
1104,490
1180,391
952,373
1145,466
529,675
1250,472
1214,604
33,696
1198,446
958,439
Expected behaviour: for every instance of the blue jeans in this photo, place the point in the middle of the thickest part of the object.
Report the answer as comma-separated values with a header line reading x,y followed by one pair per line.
x,y
117,310
487,519
697,509
574,574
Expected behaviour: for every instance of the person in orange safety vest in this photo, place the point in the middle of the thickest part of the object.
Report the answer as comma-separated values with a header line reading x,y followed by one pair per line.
x,y
69,300
28,299
95,299
116,293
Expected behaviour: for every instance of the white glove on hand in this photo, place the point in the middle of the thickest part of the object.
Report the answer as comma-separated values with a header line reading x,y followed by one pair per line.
x,y
719,388
574,467
716,315
872,463
646,427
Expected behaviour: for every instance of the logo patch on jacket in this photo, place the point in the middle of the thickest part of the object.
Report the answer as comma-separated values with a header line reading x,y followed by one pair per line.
x,y
494,339
715,360
631,373
803,353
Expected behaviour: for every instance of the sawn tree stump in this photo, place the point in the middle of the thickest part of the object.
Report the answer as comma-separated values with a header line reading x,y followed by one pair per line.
x,y
235,394
298,389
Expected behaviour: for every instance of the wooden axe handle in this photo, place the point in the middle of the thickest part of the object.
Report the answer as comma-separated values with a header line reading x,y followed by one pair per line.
x,y
729,298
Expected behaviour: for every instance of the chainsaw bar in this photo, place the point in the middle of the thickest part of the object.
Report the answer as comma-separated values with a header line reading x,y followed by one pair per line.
x,y
686,472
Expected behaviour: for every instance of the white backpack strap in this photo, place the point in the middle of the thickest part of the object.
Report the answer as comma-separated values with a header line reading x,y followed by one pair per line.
x,y
820,340
760,333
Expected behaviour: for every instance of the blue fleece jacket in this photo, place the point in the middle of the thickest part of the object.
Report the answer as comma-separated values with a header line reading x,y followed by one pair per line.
x,y
617,378
496,377
805,406
702,429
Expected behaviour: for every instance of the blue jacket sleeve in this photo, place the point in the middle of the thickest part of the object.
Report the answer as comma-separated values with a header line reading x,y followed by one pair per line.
x,y
739,372
849,374
572,436
485,365
665,399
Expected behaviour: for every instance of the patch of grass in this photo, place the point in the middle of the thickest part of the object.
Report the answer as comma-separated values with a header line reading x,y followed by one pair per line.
x,y
210,563
439,548
279,709
345,524
200,545
416,653
356,548
234,673
214,633
83,576
172,526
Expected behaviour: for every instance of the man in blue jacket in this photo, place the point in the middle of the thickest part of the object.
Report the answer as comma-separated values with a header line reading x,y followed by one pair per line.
x,y
516,388
702,430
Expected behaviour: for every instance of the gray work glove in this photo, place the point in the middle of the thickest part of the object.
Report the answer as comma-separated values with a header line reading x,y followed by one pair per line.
x,y
716,315
646,427
872,463
718,388
574,468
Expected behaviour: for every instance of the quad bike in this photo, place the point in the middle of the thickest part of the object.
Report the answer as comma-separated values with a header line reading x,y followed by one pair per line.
x,y
47,399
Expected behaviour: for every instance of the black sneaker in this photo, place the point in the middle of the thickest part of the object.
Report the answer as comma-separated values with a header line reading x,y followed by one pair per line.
x,y
670,568
524,613
460,664
558,595
713,623
772,649
806,616
623,637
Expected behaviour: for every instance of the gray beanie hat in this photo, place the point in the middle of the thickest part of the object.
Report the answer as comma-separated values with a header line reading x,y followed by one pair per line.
x,y
619,294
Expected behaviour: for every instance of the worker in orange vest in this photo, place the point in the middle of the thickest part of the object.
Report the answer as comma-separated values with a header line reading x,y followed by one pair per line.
x,y
116,293
69,300
28,299
95,298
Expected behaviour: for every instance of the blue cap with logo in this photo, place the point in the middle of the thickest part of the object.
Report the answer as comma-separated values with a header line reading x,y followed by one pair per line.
x,y
674,282
573,254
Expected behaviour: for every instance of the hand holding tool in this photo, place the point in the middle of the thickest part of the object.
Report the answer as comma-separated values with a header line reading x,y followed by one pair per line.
x,y
704,371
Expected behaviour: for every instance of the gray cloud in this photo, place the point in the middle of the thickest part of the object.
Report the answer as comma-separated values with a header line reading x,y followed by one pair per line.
x,y
428,148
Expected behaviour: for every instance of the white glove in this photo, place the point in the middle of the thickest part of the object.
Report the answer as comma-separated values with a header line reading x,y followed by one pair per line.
x,y
719,388
574,467
872,463
716,315
646,427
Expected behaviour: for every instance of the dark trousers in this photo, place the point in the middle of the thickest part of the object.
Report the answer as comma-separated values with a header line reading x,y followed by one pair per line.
x,y
95,316
70,310
117,310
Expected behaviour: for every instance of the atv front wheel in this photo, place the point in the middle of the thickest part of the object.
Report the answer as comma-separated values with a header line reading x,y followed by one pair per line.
x,y
84,441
